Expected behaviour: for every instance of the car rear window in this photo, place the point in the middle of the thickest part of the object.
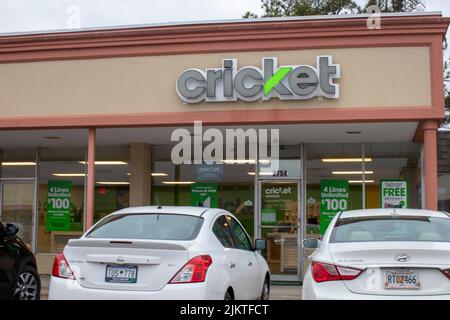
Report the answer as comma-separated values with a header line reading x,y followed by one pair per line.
x,y
391,228
148,226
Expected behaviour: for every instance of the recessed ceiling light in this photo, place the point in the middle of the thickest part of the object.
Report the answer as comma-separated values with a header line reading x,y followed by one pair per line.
x,y
178,182
106,162
69,174
346,160
113,183
261,173
360,181
159,174
24,163
351,172
154,174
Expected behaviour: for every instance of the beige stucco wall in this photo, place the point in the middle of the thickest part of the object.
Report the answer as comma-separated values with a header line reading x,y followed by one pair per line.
x,y
370,77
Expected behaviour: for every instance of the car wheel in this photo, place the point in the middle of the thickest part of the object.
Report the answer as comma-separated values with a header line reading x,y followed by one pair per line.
x,y
265,290
28,285
228,296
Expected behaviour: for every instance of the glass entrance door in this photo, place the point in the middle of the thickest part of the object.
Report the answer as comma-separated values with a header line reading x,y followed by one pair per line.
x,y
17,206
279,223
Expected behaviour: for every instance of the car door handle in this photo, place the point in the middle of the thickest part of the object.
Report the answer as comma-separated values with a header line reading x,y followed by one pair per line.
x,y
250,263
231,265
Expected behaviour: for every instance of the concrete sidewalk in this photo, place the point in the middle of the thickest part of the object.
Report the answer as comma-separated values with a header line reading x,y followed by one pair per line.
x,y
285,292
45,281
277,292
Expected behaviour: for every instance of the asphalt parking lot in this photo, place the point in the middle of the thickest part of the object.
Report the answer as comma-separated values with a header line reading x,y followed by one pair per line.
x,y
277,292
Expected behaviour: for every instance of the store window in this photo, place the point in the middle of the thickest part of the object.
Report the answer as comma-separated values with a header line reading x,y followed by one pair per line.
x,y
18,163
112,180
444,169
393,163
17,188
62,175
444,192
336,172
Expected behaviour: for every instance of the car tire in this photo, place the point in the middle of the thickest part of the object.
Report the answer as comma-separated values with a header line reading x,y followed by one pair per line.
x,y
228,296
265,293
28,285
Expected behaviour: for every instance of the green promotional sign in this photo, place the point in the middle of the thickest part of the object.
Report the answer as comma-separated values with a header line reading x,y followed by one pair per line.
x,y
334,195
394,194
204,195
59,195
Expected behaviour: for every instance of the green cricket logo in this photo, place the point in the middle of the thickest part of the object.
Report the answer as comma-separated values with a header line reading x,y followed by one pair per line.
x,y
290,82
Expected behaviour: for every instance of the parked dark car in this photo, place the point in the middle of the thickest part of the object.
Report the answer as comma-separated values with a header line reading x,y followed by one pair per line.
x,y
19,278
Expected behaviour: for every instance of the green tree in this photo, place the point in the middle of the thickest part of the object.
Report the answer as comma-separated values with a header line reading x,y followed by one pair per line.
x,y
397,5
286,8
249,15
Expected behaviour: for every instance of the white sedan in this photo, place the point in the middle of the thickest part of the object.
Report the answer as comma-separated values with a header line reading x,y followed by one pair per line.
x,y
162,253
381,254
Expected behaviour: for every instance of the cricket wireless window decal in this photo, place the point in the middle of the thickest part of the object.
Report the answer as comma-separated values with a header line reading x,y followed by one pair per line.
x,y
289,82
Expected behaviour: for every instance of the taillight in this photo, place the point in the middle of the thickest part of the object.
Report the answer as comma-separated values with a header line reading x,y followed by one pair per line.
x,y
193,271
446,272
61,267
322,272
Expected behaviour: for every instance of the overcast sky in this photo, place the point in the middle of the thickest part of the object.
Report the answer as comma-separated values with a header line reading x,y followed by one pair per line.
x,y
37,15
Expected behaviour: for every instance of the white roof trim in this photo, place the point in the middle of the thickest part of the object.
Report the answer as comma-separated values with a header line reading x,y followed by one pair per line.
x,y
227,21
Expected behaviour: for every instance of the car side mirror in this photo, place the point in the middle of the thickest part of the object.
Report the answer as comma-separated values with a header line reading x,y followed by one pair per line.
x,y
260,244
311,243
11,230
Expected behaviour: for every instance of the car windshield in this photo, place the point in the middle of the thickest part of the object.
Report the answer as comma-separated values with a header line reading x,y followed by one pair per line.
x,y
151,226
391,228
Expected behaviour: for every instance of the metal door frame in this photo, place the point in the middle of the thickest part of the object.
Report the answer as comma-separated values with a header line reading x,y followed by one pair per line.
x,y
299,226
301,207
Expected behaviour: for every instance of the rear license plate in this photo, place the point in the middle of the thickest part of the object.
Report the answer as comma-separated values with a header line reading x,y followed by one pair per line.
x,y
401,279
121,274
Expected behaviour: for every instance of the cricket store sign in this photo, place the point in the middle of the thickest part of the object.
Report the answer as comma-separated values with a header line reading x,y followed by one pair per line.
x,y
334,196
287,82
59,195
394,194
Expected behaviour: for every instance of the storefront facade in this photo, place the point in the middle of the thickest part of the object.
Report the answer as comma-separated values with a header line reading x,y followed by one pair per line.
x,y
87,120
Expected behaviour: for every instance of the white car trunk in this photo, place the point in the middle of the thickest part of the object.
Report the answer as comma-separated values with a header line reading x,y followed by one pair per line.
x,y
378,258
157,261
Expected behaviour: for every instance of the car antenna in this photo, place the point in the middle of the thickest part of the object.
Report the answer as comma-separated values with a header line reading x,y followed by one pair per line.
x,y
157,201
158,206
